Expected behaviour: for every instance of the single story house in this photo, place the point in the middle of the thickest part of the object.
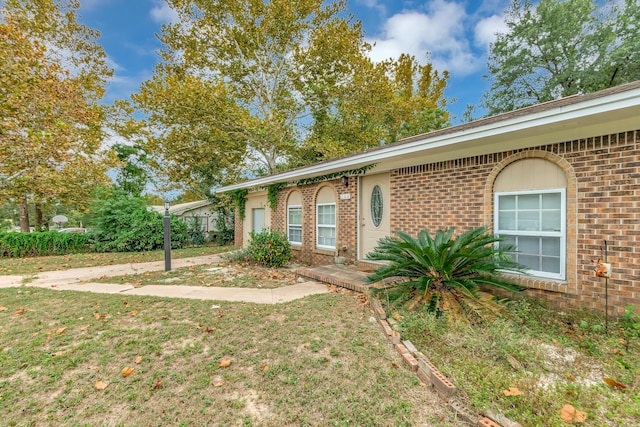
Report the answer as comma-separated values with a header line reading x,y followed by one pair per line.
x,y
558,179
199,211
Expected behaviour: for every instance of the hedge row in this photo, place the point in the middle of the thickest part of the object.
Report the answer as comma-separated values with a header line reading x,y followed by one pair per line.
x,y
18,245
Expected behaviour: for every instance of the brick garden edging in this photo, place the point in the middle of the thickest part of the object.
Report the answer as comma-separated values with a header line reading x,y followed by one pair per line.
x,y
429,374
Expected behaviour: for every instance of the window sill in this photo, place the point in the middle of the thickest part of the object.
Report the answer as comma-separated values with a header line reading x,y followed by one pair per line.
x,y
322,251
542,283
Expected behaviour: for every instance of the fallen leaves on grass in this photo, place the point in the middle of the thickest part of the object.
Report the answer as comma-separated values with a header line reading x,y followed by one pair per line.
x,y
61,331
614,384
138,359
19,312
126,372
99,316
157,384
265,367
571,415
512,391
225,363
3,308
134,313
100,385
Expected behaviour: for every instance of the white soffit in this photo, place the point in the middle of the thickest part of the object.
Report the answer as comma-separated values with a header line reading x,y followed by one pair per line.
x,y
619,112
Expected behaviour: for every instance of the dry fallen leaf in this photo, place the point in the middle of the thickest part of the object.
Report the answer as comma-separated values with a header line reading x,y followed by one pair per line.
x,y
225,363
138,359
3,308
18,312
134,313
84,328
265,367
614,384
126,372
571,415
99,385
126,304
513,391
57,353
96,315
61,330
157,384
165,317
217,382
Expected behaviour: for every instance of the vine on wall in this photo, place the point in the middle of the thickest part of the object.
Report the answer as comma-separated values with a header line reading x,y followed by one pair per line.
x,y
239,198
272,193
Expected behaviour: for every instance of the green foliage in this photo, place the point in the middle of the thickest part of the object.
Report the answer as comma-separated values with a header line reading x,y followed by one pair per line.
x,y
132,176
445,269
239,198
630,323
225,233
559,48
124,224
195,231
269,248
16,245
272,193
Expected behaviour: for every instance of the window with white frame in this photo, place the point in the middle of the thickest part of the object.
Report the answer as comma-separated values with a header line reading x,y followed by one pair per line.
x,y
326,225
534,222
294,224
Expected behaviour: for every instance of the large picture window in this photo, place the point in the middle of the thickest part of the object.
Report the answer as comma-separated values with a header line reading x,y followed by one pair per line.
x,y
326,225
294,224
534,223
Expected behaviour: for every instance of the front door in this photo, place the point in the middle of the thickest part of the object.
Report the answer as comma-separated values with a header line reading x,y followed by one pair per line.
x,y
374,211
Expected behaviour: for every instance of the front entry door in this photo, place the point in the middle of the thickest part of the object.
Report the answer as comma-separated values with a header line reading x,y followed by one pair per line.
x,y
374,211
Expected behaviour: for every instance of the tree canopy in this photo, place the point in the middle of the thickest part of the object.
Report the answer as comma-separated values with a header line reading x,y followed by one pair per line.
x,y
52,73
246,86
562,47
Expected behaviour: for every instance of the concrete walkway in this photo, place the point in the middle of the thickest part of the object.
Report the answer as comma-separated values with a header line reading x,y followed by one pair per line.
x,y
79,279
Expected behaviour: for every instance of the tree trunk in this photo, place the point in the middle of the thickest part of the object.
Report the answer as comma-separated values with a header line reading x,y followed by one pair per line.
x,y
39,225
24,215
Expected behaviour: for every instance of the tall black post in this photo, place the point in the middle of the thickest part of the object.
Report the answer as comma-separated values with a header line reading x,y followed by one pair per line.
x,y
167,237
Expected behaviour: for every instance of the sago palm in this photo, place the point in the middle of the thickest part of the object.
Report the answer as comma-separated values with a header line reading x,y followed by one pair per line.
x,y
445,272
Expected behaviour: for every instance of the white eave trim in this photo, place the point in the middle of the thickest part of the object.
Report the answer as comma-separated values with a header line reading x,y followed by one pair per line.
x,y
513,125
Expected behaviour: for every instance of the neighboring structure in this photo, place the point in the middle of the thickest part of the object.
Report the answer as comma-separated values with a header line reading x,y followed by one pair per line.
x,y
558,179
200,211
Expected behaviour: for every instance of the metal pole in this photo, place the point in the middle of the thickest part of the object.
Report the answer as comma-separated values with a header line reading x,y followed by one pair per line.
x,y
606,292
167,237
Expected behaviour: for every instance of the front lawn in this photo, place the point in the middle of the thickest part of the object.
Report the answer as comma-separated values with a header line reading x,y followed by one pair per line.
x,y
224,275
34,265
315,361
532,363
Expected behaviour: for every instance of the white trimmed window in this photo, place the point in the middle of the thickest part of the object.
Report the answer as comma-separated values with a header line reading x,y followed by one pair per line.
x,y
534,222
294,224
326,225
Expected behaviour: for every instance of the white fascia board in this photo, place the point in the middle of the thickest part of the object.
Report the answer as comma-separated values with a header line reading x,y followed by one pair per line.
x,y
513,126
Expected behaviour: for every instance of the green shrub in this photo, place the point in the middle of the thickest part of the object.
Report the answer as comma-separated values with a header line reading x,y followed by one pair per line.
x,y
445,273
195,231
124,224
18,245
141,230
224,233
269,248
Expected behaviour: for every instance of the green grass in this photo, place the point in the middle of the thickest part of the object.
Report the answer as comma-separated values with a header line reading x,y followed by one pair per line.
x,y
553,358
224,275
64,262
316,361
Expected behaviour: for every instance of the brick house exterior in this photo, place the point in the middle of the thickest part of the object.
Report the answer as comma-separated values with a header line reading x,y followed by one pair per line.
x,y
579,156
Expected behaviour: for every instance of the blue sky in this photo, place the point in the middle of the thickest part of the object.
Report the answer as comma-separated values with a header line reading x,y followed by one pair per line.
x,y
457,33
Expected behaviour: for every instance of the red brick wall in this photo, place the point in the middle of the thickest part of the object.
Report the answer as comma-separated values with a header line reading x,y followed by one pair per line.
x,y
346,228
603,203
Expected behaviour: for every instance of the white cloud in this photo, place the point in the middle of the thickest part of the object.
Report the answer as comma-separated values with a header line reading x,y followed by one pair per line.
x,y
486,29
439,30
162,13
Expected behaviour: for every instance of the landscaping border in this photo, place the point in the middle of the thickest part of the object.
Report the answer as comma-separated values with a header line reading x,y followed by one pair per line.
x,y
429,374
